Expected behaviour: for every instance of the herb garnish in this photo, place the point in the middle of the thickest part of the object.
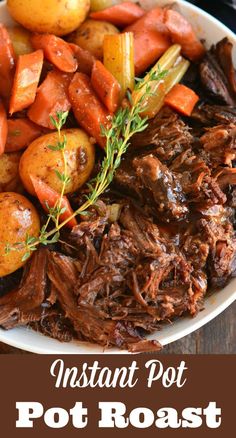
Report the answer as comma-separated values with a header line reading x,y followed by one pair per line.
x,y
124,124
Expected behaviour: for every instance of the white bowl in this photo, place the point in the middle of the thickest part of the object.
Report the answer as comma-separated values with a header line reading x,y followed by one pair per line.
x,y
212,31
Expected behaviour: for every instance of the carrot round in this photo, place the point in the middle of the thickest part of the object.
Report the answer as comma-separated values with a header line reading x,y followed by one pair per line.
x,y
182,33
182,99
3,128
52,96
151,39
48,197
106,86
57,51
21,132
85,59
7,62
26,79
120,15
88,110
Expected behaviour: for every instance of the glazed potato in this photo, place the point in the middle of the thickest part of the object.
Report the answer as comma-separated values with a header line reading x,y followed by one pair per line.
x,y
9,172
59,17
40,161
90,36
20,38
18,218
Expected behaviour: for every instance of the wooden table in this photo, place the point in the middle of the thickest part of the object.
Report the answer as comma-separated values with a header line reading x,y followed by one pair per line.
x,y
217,337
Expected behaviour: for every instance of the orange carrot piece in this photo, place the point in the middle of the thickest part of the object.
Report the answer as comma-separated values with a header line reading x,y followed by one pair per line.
x,y
88,110
3,128
182,33
182,99
151,39
48,197
21,132
7,62
106,86
85,59
57,51
121,15
52,96
26,79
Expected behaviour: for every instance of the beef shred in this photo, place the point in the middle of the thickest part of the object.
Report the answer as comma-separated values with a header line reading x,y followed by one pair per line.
x,y
117,278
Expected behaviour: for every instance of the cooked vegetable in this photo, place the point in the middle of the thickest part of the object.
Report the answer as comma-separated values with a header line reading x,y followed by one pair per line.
x,y
182,33
21,132
98,5
7,63
151,39
57,51
156,82
121,15
88,110
52,16
85,59
106,86
28,70
50,198
90,36
154,102
20,39
176,73
18,218
51,97
119,59
3,128
9,172
182,99
39,160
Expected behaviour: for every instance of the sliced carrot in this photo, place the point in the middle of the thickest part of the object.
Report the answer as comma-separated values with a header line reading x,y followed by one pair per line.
x,y
151,39
52,96
88,110
21,132
120,15
48,197
57,51
182,99
26,79
3,128
7,62
85,59
182,33
106,86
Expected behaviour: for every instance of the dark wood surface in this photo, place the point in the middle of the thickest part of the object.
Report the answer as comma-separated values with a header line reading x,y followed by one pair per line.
x,y
217,337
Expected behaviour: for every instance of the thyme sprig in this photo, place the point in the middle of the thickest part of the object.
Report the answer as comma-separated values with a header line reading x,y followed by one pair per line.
x,y
125,123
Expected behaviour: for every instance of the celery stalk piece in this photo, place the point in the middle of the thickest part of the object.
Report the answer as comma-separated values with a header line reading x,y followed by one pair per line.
x,y
99,5
118,52
153,102
175,74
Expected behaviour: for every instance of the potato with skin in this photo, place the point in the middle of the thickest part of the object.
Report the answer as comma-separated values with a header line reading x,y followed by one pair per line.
x,y
40,161
20,38
18,218
90,36
9,172
59,17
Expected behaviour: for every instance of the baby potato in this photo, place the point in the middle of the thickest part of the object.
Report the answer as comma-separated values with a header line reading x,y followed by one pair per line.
x,y
40,161
90,36
59,17
20,38
18,218
9,172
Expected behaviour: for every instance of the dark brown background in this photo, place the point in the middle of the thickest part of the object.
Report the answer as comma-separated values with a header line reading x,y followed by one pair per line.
x,y
27,379
217,337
